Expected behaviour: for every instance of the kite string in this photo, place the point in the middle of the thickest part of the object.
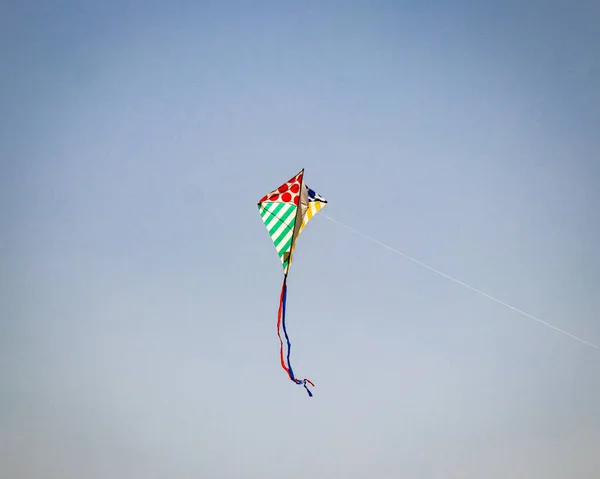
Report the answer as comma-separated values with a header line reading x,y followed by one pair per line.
x,y
457,281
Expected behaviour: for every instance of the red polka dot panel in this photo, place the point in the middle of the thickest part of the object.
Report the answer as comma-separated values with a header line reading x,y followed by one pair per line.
x,y
289,192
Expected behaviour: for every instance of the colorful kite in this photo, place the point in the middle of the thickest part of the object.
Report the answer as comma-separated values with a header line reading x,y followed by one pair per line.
x,y
286,211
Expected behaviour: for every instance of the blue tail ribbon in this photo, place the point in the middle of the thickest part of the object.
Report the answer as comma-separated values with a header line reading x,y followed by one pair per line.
x,y
281,322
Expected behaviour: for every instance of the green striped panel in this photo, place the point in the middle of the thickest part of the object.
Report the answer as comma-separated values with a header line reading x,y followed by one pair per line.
x,y
279,218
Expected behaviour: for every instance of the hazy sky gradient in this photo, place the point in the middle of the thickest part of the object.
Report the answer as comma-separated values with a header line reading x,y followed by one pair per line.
x,y
139,287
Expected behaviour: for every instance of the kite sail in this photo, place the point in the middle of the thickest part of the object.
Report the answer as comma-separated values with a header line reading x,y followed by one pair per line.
x,y
285,212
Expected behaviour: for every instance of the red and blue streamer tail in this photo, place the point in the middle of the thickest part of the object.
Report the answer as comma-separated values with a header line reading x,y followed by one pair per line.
x,y
285,362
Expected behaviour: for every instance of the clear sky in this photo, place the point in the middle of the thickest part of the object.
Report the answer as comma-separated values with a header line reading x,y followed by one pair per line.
x,y
139,287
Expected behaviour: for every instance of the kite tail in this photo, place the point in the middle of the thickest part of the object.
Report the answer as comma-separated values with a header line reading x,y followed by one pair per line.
x,y
285,362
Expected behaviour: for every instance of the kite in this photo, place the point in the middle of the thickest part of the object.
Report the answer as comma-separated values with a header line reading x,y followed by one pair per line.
x,y
285,212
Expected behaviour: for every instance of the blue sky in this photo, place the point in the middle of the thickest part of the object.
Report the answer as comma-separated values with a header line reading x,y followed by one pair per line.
x,y
139,288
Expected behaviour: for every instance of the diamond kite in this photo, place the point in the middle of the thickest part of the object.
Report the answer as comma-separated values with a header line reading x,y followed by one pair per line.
x,y
285,212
